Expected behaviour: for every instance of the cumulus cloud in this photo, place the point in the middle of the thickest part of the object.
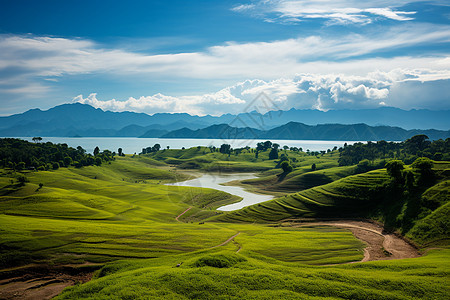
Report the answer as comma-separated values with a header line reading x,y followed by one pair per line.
x,y
303,91
30,66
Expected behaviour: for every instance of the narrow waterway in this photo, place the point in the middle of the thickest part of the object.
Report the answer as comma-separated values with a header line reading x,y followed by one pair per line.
x,y
215,181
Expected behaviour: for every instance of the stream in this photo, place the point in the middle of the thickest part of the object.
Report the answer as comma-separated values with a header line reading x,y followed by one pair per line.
x,y
215,181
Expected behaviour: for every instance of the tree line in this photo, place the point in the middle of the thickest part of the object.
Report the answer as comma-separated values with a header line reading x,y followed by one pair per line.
x,y
407,151
20,155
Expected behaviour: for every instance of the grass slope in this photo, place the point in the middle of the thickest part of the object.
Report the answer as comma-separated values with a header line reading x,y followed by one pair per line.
x,y
121,213
221,274
121,210
342,198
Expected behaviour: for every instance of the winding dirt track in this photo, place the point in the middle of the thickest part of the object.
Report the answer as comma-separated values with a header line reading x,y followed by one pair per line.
x,y
380,245
227,241
176,218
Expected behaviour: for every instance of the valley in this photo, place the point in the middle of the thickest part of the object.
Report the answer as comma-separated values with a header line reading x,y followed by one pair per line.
x,y
124,229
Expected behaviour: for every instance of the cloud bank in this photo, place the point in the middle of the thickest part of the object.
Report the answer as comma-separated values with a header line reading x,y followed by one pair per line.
x,y
399,88
31,63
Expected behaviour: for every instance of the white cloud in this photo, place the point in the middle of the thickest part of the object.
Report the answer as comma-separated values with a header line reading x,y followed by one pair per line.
x,y
302,91
335,11
54,57
243,7
31,65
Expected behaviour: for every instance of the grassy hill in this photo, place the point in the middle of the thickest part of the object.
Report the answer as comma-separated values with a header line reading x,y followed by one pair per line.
x,y
222,274
121,215
420,214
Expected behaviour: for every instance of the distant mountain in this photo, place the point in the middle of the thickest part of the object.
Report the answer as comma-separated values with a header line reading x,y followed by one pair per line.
x,y
223,131
388,116
300,131
154,133
78,119
84,120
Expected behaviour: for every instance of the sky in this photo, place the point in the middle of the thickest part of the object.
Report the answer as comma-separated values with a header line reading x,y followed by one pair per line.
x,y
216,57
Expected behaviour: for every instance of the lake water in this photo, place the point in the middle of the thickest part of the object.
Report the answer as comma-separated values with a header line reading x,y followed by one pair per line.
x,y
135,145
214,181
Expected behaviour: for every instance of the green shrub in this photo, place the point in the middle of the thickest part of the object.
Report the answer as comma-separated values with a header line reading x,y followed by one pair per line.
x,y
218,261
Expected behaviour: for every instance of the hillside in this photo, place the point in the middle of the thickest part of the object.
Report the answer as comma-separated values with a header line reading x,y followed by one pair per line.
x,y
419,213
140,238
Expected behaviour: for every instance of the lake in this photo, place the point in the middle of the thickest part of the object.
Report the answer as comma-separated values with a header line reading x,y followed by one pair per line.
x,y
135,145
215,180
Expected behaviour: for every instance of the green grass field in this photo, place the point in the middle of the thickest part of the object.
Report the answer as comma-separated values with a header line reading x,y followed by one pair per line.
x,y
122,215
222,274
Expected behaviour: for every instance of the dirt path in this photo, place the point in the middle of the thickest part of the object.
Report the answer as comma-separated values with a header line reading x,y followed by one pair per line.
x,y
42,281
227,241
182,213
380,245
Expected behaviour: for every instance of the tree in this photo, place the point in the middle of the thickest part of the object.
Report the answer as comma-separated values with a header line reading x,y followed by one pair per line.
x,y
97,161
168,147
225,149
273,154
156,147
417,143
313,167
80,150
424,167
267,145
67,161
285,147
394,168
21,166
286,166
22,179
96,151
37,139
119,152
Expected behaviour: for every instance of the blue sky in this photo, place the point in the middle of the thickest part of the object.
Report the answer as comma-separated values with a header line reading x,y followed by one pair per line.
x,y
214,57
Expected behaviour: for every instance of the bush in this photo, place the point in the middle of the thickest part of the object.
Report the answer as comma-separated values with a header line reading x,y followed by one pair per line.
x,y
55,166
218,261
22,179
286,166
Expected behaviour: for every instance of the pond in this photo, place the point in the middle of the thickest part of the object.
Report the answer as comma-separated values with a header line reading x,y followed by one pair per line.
x,y
215,181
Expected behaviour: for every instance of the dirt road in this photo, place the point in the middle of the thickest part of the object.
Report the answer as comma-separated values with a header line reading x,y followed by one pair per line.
x,y
176,218
380,245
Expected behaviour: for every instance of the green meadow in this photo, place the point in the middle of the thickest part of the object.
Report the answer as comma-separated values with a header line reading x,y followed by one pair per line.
x,y
122,216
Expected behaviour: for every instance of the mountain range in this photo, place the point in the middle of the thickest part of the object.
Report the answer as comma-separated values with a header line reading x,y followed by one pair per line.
x,y
300,131
82,120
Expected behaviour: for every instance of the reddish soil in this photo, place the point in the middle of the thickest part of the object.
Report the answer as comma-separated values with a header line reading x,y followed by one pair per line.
x,y
380,245
37,282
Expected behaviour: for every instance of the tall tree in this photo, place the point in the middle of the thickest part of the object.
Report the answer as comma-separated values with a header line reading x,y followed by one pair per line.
x,y
273,153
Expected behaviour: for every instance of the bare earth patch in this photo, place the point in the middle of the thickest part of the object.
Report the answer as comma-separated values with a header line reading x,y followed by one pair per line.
x,y
42,281
380,245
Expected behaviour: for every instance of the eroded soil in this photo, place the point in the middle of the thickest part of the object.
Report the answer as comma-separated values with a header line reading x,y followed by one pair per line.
x,y
380,245
36,282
